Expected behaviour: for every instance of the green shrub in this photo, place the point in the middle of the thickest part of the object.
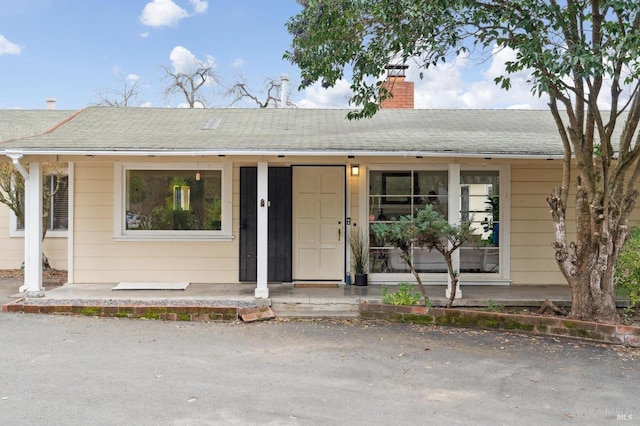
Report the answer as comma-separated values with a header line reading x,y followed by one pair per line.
x,y
405,295
627,270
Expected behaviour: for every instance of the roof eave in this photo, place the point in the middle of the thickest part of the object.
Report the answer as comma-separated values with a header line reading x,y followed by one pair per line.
x,y
302,153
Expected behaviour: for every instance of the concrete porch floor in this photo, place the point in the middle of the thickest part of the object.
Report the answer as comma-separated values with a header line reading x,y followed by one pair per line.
x,y
471,295
287,300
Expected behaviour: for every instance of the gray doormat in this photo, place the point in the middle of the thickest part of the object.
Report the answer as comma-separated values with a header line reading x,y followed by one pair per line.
x,y
315,284
151,285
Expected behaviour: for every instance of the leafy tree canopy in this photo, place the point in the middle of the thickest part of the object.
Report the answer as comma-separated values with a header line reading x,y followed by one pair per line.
x,y
582,54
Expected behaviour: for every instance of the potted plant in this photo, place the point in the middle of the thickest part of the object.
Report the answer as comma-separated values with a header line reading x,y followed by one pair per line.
x,y
359,256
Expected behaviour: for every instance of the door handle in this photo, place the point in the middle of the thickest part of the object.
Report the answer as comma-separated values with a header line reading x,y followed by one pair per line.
x,y
339,231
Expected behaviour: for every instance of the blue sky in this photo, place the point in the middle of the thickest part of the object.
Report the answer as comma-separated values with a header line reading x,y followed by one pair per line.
x,y
72,50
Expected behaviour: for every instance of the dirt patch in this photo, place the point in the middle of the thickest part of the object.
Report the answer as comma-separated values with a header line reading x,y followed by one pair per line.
x,y
49,276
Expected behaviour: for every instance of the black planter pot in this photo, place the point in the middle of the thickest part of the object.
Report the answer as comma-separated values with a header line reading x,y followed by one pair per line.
x,y
361,280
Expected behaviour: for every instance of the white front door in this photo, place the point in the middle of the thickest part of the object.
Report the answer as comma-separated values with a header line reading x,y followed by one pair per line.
x,y
318,223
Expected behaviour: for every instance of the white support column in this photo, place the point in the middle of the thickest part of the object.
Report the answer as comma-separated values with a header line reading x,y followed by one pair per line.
x,y
71,222
33,232
262,290
454,219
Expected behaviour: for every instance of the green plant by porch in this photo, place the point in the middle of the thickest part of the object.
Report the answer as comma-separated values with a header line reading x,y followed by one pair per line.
x,y
627,272
359,247
405,295
427,230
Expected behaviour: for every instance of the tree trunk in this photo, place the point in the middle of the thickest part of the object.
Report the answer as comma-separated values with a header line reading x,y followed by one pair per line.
x,y
454,279
588,264
592,299
407,258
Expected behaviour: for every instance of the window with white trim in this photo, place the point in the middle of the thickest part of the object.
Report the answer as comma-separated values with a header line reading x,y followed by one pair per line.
x,y
476,199
480,206
184,201
396,193
58,217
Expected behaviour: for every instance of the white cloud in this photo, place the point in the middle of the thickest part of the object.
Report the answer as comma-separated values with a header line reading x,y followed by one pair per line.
x,y
185,105
464,84
334,97
237,63
133,78
461,84
199,6
144,35
146,104
8,48
184,61
162,13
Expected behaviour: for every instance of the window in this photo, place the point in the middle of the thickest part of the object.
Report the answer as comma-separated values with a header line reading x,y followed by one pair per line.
x,y
480,205
393,194
59,213
475,196
398,193
180,202
58,217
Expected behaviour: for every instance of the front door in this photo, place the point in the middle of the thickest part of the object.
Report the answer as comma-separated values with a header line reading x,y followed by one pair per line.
x,y
279,233
318,223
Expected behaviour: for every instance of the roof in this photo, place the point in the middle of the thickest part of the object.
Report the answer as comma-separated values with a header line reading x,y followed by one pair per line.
x,y
18,123
104,131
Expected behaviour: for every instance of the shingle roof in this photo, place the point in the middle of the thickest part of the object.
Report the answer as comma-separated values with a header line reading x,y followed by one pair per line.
x,y
251,131
17,123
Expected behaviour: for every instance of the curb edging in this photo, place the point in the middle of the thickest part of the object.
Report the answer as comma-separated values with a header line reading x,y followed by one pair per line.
x,y
540,325
164,312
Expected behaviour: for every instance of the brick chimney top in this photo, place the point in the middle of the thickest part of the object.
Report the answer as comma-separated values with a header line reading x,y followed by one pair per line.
x,y
396,70
403,96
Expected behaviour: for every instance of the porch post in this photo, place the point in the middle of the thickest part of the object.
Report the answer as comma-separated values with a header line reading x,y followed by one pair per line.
x,y
33,232
454,219
262,290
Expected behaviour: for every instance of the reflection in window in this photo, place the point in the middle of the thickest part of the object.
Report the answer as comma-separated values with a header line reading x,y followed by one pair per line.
x,y
393,194
173,200
480,205
397,193
58,218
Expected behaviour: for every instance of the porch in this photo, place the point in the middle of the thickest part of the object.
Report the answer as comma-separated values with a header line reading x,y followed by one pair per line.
x,y
287,300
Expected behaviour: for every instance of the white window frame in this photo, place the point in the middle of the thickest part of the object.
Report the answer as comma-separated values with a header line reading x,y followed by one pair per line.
x,y
14,232
503,275
120,192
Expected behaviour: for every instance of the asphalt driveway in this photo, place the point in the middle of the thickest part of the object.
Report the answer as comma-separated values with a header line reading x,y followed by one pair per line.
x,y
59,370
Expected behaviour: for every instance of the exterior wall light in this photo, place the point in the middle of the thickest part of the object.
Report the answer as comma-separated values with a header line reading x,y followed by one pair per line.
x,y
355,170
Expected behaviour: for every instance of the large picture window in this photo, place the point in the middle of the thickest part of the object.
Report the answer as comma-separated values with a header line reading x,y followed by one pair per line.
x,y
475,198
393,194
174,202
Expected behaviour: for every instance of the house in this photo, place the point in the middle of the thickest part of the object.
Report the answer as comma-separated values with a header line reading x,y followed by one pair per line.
x,y
15,124
270,195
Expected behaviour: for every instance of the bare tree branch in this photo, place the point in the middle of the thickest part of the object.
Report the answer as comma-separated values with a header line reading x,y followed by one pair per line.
x,y
189,84
272,89
123,97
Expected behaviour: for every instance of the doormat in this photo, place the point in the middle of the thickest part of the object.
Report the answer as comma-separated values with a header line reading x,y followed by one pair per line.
x,y
318,285
162,285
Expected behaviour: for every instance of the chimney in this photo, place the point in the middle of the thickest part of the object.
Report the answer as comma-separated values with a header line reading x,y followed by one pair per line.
x,y
284,91
402,90
51,103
